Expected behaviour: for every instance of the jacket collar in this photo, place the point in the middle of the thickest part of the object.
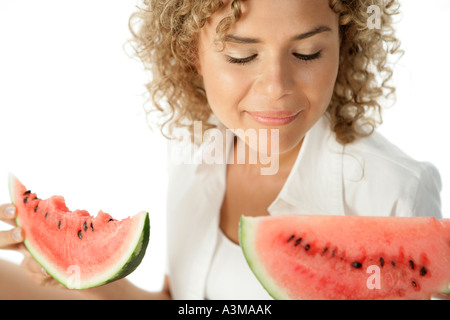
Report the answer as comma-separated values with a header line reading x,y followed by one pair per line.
x,y
314,185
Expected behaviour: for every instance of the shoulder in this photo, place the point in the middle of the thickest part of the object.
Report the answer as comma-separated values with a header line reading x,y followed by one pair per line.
x,y
377,151
393,181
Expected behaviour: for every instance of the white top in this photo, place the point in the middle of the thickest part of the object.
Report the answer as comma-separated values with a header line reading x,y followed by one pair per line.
x,y
229,277
368,177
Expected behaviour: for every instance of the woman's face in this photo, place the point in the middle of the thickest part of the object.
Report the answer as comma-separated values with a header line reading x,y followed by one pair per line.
x,y
278,68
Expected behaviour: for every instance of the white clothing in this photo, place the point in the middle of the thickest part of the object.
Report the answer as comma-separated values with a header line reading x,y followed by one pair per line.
x,y
229,277
369,177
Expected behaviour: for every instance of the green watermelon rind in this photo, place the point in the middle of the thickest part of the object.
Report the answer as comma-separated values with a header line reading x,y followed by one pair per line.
x,y
446,291
122,270
247,234
137,255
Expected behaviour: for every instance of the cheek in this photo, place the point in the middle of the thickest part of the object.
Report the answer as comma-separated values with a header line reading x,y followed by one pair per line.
x,y
225,87
319,84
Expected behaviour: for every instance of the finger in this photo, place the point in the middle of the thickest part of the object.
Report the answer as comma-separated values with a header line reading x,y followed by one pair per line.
x,y
19,247
29,264
11,237
49,281
37,273
7,213
33,269
16,247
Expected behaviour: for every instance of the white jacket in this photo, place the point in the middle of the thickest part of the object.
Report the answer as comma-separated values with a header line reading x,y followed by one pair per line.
x,y
368,177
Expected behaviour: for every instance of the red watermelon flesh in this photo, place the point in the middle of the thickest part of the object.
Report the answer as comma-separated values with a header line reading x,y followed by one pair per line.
x,y
77,249
348,257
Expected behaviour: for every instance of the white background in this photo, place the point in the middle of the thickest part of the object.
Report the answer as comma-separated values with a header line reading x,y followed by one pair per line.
x,y
72,120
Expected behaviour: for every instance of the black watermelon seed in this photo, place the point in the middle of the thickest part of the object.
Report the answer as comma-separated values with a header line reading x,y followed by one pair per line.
x,y
111,219
59,224
35,208
307,247
325,250
25,200
333,253
298,241
381,261
393,263
356,265
27,192
46,214
411,264
85,226
414,284
290,238
423,271
92,227
80,235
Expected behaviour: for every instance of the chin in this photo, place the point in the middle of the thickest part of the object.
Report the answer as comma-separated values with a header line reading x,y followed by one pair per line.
x,y
289,145
273,143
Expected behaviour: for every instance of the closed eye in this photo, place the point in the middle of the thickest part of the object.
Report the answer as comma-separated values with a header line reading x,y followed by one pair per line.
x,y
303,57
241,61
308,57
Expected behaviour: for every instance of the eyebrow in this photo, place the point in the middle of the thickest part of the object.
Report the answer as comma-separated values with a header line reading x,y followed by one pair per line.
x,y
309,34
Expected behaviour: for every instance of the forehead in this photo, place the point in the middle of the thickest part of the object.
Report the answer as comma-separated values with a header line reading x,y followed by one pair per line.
x,y
277,16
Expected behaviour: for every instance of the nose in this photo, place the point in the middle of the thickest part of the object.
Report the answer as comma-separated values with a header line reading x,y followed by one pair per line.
x,y
276,78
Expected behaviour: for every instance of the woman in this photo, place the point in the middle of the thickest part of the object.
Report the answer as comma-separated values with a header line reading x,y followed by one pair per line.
x,y
309,74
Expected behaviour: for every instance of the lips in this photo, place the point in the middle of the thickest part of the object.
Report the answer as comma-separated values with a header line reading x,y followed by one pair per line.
x,y
274,118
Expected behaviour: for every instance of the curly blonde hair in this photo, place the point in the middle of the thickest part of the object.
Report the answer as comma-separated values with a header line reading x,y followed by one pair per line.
x,y
165,35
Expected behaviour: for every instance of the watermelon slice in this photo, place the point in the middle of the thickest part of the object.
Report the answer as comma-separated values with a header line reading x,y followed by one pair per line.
x,y
77,249
348,257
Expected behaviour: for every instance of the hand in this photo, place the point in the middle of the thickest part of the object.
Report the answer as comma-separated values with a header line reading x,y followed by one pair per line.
x,y
13,240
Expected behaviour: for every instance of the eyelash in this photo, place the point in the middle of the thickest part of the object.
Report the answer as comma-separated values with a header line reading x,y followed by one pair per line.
x,y
303,57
